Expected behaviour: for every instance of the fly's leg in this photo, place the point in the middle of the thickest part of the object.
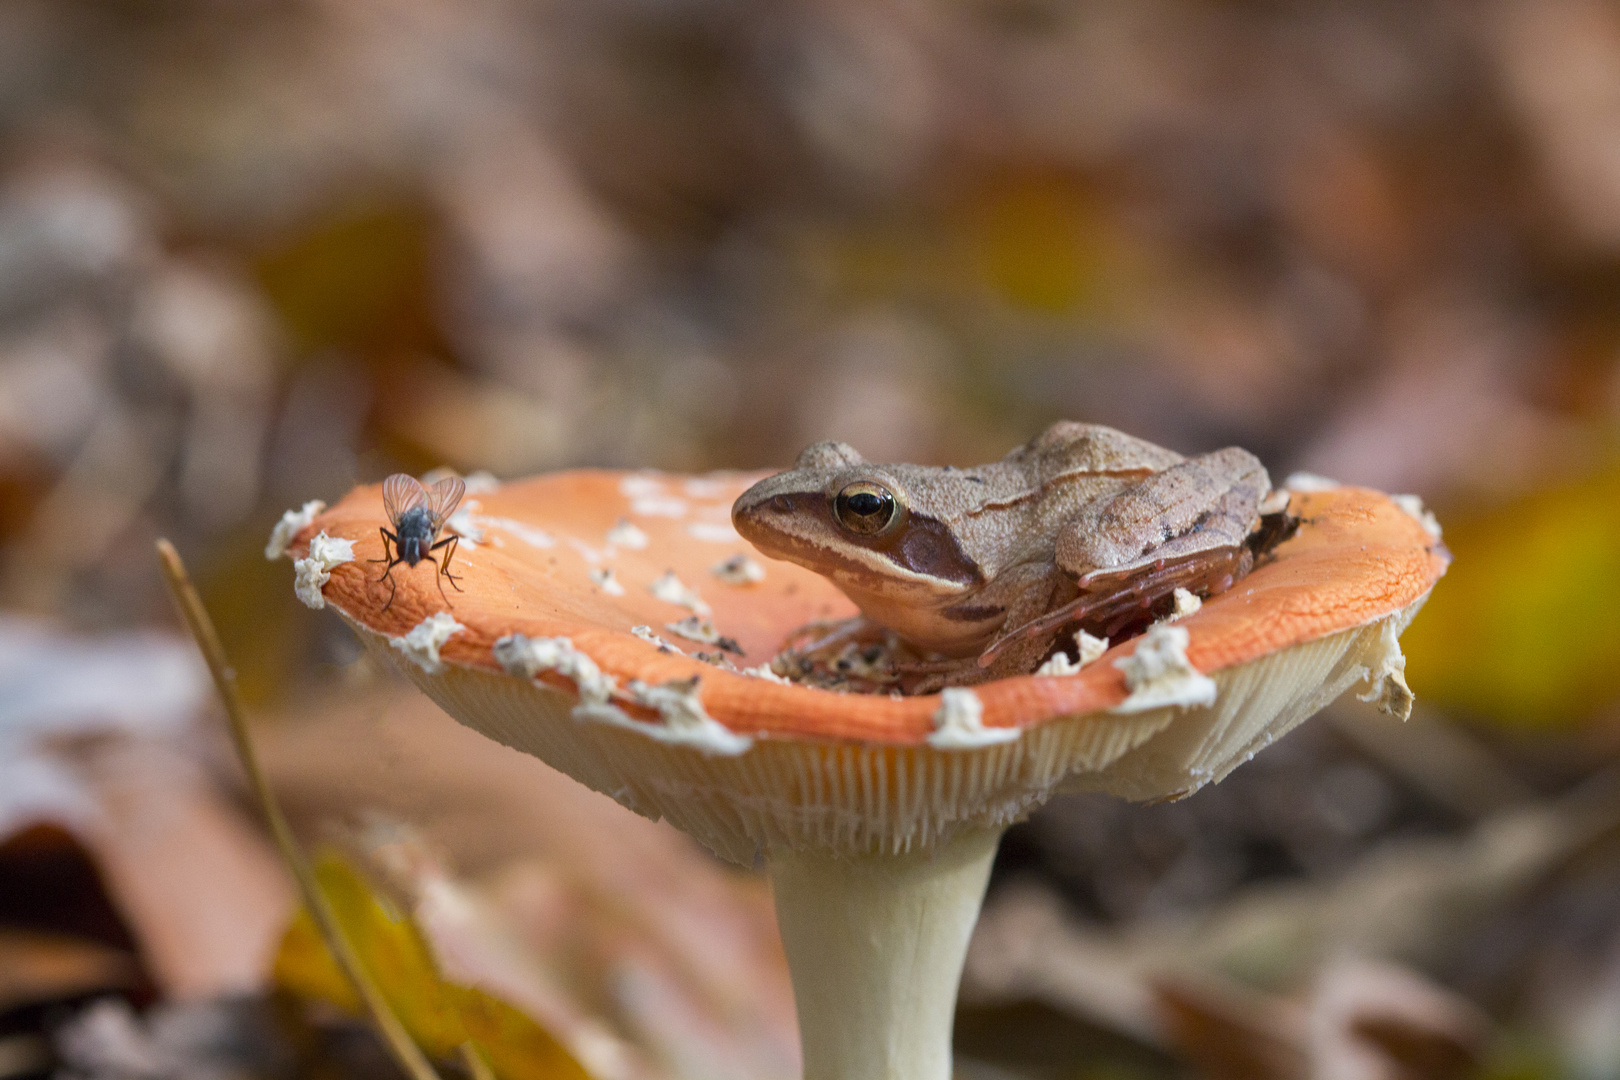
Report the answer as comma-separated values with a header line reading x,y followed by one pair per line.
x,y
443,571
387,550
455,544
438,573
392,561
393,586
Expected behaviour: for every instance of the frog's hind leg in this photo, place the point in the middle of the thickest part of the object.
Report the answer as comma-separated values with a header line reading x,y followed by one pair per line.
x,y
1113,602
1145,591
1184,527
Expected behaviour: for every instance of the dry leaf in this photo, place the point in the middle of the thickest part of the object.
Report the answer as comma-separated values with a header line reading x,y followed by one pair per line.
x,y
439,1015
36,967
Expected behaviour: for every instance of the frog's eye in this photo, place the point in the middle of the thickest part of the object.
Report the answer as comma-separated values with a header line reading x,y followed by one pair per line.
x,y
865,508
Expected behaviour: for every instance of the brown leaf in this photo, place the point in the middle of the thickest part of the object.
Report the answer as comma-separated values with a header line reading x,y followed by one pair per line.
x,y
37,967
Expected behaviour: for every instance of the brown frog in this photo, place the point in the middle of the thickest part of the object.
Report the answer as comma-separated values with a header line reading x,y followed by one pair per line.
x,y
980,568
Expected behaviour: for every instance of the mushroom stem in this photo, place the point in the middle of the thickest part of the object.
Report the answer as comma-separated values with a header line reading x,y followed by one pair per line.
x,y
875,945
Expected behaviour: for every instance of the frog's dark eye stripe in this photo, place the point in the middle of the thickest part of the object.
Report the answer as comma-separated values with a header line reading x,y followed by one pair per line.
x,y
865,508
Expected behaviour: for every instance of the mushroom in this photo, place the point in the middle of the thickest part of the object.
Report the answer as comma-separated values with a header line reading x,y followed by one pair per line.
x,y
876,817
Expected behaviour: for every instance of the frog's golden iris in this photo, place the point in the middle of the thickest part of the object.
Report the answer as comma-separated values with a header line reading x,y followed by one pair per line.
x,y
866,508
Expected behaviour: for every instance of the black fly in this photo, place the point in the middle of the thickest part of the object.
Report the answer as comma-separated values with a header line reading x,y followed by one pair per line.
x,y
417,514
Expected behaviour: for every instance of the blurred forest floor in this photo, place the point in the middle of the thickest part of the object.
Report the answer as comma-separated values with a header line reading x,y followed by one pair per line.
x,y
252,253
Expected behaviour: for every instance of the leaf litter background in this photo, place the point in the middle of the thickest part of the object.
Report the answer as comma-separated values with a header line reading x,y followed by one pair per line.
x,y
253,252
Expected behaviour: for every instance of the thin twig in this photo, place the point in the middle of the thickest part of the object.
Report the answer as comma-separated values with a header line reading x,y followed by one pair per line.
x,y
473,1059
405,1051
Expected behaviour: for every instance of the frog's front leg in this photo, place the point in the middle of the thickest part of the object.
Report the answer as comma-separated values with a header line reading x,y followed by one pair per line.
x,y
1184,527
1022,593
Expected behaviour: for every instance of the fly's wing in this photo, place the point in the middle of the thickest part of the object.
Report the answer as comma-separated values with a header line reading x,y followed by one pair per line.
x,y
402,493
443,498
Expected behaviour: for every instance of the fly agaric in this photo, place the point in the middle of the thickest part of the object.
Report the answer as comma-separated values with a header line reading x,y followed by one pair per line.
x,y
586,597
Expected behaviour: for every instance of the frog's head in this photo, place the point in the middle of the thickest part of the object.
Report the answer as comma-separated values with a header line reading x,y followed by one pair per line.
x,y
867,528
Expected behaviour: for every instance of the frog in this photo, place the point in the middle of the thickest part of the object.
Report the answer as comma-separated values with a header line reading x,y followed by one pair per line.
x,y
979,569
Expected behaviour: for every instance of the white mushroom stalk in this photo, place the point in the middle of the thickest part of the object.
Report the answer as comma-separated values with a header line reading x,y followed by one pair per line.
x,y
875,944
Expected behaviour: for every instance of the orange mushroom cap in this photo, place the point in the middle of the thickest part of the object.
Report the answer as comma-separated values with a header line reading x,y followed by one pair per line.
x,y
1319,616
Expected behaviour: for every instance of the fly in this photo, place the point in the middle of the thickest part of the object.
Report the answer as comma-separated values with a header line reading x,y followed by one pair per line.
x,y
417,515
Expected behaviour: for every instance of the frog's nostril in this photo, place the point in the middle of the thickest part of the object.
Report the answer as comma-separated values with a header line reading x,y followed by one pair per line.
x,y
782,504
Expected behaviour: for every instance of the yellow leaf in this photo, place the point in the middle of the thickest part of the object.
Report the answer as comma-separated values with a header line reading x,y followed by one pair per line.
x,y
1525,627
439,1015
1039,243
